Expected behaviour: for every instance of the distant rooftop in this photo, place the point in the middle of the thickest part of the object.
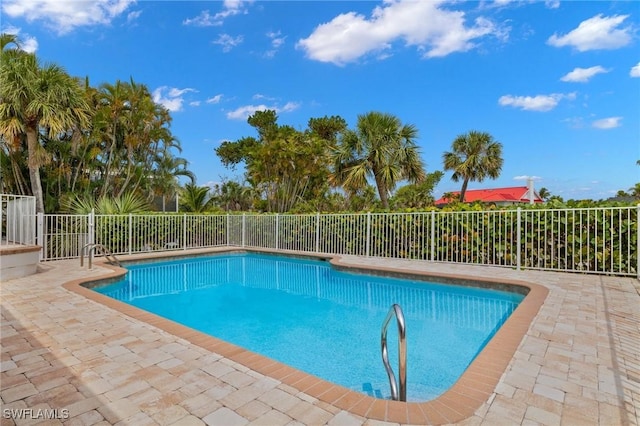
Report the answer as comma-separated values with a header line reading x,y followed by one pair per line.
x,y
508,195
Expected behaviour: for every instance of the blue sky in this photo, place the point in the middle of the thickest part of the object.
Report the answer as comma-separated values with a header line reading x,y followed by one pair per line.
x,y
557,83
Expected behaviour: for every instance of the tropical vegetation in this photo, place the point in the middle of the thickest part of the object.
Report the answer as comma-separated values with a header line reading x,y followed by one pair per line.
x,y
474,156
106,204
196,199
382,148
284,166
62,138
109,148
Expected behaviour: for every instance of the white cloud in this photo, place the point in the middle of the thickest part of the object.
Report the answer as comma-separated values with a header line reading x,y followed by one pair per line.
x,y
435,32
29,44
170,97
489,4
215,99
595,33
525,177
552,4
574,122
205,19
635,71
607,123
232,7
227,42
535,103
501,2
582,75
65,16
289,106
243,112
259,96
26,42
133,16
276,41
11,30
175,92
229,8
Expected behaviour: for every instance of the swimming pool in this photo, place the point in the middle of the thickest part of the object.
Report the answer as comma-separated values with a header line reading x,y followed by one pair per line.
x,y
319,320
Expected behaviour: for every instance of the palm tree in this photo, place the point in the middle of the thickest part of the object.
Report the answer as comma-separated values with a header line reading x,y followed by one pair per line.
x,y
106,204
381,147
168,168
195,198
37,98
13,158
110,127
474,156
233,196
544,193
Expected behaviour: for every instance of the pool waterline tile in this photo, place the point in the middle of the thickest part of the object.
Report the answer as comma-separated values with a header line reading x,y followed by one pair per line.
x,y
478,378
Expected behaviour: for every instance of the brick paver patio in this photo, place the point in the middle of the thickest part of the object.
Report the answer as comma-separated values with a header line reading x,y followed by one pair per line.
x,y
578,364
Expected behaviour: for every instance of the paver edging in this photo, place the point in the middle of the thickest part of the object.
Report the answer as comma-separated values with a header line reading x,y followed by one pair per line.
x,y
452,406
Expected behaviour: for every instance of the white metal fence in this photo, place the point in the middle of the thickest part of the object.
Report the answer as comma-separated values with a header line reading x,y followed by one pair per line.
x,y
17,216
590,240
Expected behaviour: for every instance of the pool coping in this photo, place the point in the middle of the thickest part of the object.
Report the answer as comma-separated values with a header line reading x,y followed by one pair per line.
x,y
474,387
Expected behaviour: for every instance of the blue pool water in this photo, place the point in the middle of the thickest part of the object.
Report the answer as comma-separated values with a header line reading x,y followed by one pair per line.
x,y
322,321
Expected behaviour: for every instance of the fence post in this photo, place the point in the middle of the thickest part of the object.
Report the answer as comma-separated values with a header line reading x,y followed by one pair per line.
x,y
277,229
518,238
317,232
244,222
184,231
40,240
228,229
433,235
130,233
368,242
92,227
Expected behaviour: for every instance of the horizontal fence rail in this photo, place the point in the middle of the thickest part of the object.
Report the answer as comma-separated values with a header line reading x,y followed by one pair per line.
x,y
590,240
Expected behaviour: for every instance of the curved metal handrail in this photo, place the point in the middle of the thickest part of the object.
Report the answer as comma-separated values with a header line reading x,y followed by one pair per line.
x,y
91,248
402,353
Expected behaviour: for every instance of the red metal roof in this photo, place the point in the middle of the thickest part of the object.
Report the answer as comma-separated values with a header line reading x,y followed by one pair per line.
x,y
515,194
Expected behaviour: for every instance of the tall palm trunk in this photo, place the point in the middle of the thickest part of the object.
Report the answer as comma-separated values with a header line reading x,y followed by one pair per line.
x,y
34,167
21,184
77,145
463,191
107,178
15,161
382,191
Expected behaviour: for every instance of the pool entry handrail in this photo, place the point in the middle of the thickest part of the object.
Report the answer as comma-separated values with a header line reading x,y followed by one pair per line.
x,y
90,248
402,354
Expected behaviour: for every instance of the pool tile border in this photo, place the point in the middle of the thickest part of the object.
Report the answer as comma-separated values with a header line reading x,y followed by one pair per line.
x,y
473,388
